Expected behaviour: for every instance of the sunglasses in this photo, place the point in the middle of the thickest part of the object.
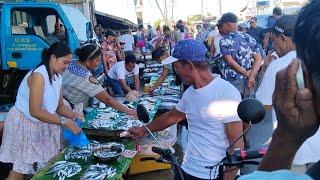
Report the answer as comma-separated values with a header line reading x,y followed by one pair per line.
x,y
252,22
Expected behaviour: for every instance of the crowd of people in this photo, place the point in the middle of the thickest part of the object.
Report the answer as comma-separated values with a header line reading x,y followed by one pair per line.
x,y
249,58
218,68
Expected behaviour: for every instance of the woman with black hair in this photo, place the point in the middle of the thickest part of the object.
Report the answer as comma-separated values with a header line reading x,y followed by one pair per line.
x,y
79,84
31,135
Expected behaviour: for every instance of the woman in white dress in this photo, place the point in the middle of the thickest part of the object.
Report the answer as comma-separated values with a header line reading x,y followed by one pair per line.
x,y
31,135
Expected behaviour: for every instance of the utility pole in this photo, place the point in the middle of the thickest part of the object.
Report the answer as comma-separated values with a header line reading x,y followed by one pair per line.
x,y
163,16
172,3
202,8
220,6
165,12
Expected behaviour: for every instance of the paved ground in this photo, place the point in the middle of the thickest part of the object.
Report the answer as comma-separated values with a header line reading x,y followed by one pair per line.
x,y
259,135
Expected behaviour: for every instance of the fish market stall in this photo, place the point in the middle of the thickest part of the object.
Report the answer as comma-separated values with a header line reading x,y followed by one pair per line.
x,y
107,122
168,93
98,160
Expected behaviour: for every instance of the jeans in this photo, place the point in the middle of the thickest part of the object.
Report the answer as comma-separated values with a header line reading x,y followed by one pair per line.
x,y
116,87
241,85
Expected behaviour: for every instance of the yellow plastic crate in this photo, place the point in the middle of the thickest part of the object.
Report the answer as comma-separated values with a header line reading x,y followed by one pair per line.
x,y
137,166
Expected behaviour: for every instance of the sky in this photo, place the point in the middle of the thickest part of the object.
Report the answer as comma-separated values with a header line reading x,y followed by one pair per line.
x,y
182,8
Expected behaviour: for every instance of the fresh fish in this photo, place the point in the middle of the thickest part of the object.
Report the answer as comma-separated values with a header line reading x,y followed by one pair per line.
x,y
63,169
80,154
99,172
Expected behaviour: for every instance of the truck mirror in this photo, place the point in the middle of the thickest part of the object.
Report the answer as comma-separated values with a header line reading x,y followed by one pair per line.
x,y
89,30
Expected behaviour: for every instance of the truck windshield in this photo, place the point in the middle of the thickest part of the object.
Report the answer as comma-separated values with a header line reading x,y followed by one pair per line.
x,y
77,20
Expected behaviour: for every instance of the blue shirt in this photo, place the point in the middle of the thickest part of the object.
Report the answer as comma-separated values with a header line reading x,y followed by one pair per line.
x,y
275,175
271,21
241,47
256,33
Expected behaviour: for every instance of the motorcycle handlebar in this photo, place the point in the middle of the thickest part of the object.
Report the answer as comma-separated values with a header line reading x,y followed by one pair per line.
x,y
158,150
241,155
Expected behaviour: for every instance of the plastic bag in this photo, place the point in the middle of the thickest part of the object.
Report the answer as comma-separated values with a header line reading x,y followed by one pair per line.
x,y
77,140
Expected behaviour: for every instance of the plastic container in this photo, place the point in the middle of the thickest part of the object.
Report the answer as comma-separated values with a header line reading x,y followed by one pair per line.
x,y
167,139
77,140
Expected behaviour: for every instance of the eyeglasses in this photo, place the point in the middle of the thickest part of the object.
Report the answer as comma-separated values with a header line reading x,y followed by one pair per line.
x,y
252,22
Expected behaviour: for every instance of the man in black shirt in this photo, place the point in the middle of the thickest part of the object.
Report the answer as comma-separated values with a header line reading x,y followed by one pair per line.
x,y
257,33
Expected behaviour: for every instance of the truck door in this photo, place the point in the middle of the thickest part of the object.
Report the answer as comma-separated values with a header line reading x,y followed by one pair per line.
x,y
31,30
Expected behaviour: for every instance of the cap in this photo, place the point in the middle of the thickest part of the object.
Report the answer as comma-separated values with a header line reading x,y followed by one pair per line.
x,y
285,25
110,33
228,17
219,24
243,25
185,50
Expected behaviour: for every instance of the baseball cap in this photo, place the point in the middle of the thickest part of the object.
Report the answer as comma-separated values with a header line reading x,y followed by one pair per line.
x,y
228,17
187,50
285,25
219,24
243,25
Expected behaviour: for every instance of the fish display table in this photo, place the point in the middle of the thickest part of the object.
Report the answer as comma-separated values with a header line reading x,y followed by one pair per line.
x,y
81,164
107,122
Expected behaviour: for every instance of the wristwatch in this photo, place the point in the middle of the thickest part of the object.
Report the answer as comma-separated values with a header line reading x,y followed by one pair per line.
x,y
63,121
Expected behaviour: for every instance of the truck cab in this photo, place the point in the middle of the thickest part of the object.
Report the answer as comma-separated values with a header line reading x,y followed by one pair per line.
x,y
26,29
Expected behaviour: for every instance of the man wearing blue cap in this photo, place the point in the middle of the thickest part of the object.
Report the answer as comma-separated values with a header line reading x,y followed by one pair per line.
x,y
210,107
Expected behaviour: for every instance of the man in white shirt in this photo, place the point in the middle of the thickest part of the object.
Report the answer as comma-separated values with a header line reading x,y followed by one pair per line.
x,y
128,41
210,107
122,74
283,44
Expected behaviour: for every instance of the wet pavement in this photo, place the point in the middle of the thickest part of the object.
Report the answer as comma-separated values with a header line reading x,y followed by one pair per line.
x,y
259,135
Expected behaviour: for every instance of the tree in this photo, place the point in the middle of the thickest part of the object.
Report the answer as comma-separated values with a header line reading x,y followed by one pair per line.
x,y
197,17
157,23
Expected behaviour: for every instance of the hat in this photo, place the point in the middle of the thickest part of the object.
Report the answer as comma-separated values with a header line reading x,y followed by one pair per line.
x,y
219,24
243,25
285,25
185,50
110,33
228,17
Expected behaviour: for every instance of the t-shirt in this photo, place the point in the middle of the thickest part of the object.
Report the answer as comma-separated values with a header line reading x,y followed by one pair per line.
x,y
128,39
267,86
118,71
271,21
208,109
275,175
256,33
310,149
215,36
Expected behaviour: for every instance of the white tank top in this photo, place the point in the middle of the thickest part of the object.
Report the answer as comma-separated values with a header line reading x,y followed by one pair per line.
x,y
50,95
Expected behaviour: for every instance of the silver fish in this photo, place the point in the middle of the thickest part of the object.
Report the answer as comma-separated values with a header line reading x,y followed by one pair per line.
x,y
99,172
63,169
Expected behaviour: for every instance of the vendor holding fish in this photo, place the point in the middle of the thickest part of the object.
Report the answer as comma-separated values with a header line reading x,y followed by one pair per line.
x,y
79,84
31,135
123,77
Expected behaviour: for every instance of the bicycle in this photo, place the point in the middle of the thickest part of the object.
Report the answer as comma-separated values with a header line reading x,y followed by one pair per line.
x,y
238,159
